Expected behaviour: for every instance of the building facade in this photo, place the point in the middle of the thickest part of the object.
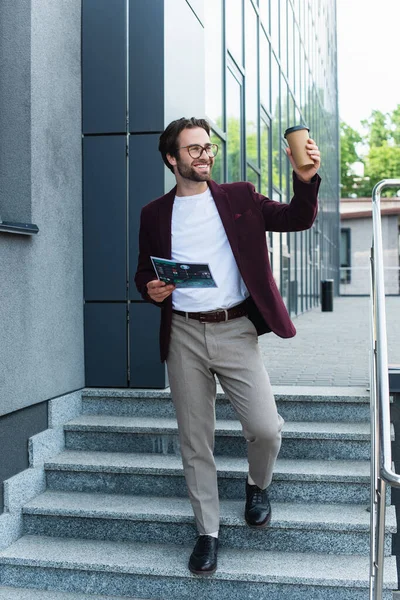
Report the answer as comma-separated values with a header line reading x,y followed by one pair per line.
x,y
355,245
89,85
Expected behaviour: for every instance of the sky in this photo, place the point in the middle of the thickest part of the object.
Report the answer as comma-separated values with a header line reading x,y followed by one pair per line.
x,y
368,37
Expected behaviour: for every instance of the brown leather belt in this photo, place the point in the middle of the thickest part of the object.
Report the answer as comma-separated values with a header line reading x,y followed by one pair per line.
x,y
216,316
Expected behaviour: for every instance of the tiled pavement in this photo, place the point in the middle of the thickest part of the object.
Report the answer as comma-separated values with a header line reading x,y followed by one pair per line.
x,y
330,348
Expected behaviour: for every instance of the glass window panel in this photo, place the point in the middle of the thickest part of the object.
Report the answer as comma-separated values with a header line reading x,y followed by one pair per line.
x,y
291,117
213,58
264,158
264,13
283,24
284,289
276,121
252,176
264,71
276,246
297,63
251,84
234,127
302,77
284,105
290,45
218,169
285,175
275,25
234,29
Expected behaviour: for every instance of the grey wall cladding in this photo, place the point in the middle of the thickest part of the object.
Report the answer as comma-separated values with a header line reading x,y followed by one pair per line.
x,y
146,368
146,66
106,344
146,177
110,176
104,64
104,217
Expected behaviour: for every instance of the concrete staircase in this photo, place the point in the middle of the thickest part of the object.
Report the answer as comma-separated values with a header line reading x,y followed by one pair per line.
x,y
115,521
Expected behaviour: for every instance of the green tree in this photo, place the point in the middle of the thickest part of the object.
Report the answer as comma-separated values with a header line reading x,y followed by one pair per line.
x,y
382,160
396,125
378,129
349,138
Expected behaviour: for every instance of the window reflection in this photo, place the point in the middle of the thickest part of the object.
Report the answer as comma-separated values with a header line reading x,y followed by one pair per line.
x,y
252,176
274,28
234,127
251,84
264,13
218,169
264,71
283,40
290,46
264,158
276,121
234,28
285,175
214,64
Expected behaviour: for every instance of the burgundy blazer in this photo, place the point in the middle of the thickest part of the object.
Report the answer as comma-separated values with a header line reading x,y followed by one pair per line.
x,y
246,216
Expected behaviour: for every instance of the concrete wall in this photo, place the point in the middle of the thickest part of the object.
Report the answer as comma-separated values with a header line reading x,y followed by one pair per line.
x,y
361,237
41,308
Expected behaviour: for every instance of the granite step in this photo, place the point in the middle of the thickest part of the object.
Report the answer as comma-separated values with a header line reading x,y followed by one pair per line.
x,y
336,481
294,403
13,593
338,529
110,433
160,571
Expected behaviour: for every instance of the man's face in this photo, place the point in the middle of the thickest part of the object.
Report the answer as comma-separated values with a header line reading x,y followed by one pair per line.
x,y
194,169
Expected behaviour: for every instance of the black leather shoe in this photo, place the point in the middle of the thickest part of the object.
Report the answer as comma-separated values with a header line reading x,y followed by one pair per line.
x,y
203,560
257,512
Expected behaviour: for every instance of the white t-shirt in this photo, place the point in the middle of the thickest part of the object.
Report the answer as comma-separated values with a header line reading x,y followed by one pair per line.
x,y
199,236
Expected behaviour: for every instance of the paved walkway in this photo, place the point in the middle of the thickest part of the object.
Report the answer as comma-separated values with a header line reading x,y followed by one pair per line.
x,y
330,348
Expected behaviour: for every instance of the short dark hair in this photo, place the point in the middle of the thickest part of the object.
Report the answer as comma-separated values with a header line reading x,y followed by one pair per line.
x,y
169,137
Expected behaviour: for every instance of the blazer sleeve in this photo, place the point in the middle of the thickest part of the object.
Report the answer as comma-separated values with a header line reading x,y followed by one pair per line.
x,y
145,270
298,215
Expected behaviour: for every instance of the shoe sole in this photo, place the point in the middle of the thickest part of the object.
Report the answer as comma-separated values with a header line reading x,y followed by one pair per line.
x,y
262,526
202,572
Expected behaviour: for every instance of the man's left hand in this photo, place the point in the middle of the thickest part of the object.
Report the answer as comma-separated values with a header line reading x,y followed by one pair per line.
x,y
307,173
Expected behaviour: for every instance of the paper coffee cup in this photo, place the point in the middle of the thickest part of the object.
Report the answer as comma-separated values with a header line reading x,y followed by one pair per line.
x,y
297,138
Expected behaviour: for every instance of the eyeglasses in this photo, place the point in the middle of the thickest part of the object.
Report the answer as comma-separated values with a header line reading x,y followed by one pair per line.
x,y
195,150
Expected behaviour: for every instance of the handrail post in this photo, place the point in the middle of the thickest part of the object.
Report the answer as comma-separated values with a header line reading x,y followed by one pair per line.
x,y
381,452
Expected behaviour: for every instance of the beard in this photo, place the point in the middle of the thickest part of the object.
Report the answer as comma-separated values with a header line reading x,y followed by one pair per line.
x,y
188,172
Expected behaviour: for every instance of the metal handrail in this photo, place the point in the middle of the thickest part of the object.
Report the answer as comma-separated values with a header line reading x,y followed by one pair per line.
x,y
381,451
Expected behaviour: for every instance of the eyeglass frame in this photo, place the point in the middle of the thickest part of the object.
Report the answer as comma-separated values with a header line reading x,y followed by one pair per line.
x,y
203,149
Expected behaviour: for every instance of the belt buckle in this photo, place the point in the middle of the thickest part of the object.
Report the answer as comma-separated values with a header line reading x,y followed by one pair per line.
x,y
202,318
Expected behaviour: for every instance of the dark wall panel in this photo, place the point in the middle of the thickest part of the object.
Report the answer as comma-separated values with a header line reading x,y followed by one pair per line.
x,y
104,65
106,345
15,430
104,217
147,371
146,65
146,182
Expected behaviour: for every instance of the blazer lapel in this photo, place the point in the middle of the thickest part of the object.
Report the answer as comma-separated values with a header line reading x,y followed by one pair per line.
x,y
165,220
224,208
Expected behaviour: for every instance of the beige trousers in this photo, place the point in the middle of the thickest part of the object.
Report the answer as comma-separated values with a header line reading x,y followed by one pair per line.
x,y
230,350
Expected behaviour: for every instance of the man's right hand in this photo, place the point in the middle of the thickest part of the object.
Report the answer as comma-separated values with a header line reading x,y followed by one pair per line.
x,y
159,290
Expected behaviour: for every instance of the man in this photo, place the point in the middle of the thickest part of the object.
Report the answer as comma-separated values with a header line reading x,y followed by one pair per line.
x,y
213,331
